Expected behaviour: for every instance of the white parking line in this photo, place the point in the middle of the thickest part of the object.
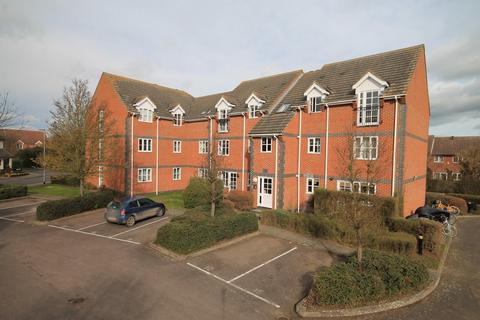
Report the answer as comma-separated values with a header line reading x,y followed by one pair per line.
x,y
93,225
261,265
143,225
17,214
8,219
92,234
234,285
21,205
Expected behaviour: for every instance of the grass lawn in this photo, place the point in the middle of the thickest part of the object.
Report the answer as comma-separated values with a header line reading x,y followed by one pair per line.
x,y
55,190
172,199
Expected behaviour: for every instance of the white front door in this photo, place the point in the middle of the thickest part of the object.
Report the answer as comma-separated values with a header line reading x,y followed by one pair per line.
x,y
265,192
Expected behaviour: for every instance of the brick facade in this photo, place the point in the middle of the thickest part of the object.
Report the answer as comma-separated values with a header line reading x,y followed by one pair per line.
x,y
283,112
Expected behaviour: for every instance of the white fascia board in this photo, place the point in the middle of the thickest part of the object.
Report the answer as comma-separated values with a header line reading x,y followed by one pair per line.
x,y
381,83
316,88
254,97
145,103
177,109
224,104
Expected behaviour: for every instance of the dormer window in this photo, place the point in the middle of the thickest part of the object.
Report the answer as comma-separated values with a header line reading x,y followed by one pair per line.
x,y
177,114
315,95
145,108
369,90
254,103
145,115
252,110
315,104
223,120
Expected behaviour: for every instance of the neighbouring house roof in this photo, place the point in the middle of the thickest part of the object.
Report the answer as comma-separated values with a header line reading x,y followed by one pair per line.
x,y
285,89
452,145
28,137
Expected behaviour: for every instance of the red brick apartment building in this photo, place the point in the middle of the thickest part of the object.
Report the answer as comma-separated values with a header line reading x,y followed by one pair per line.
x,y
444,155
279,135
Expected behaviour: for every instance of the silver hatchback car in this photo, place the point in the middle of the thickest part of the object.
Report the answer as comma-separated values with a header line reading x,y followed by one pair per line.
x,y
128,211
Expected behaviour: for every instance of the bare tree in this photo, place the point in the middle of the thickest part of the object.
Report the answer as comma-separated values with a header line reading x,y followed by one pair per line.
x,y
9,115
470,164
80,141
214,162
360,177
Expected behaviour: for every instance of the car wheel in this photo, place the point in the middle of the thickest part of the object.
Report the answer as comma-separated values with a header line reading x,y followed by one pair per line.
x,y
130,221
161,212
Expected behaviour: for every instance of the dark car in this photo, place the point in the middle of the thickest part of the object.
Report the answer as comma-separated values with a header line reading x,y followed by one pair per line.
x,y
130,210
430,213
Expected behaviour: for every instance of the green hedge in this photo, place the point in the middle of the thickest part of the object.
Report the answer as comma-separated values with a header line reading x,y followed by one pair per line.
x,y
192,232
467,197
396,242
430,230
446,199
382,276
197,193
242,200
328,202
10,191
65,180
55,209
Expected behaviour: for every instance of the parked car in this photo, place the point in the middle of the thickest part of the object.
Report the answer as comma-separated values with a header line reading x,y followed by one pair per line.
x,y
430,213
128,211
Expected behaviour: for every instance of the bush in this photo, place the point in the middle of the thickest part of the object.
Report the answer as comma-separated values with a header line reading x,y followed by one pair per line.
x,y
55,209
195,231
242,200
467,197
66,180
10,191
382,275
197,193
396,242
430,230
447,199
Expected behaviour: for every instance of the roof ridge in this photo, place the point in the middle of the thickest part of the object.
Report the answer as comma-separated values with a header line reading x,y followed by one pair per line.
x,y
270,76
371,55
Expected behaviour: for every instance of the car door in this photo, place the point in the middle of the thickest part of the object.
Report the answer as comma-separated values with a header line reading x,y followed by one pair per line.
x,y
147,208
133,208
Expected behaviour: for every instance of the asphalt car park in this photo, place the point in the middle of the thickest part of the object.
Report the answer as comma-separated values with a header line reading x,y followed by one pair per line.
x,y
19,210
268,269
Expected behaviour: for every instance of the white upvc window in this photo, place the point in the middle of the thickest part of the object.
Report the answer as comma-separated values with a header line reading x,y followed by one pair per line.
x,y
223,120
177,173
359,187
252,110
440,176
344,186
368,108
315,104
229,179
203,146
146,115
438,159
223,147
177,119
365,147
312,184
266,145
203,173
144,145
313,145
457,159
177,146
144,174
457,176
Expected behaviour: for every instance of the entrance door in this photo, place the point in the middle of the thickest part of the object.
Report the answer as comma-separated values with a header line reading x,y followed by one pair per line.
x,y
265,190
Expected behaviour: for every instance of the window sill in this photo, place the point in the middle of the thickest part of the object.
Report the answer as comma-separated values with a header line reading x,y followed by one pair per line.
x,y
368,124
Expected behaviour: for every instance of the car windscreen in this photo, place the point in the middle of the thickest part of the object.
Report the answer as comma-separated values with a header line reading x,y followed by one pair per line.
x,y
114,205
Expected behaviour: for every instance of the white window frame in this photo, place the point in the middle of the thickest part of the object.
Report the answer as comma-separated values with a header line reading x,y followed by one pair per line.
x,y
177,173
223,147
456,176
177,146
365,151
366,111
438,159
456,159
144,175
358,186
313,147
315,104
266,145
230,179
202,173
145,145
344,185
252,110
312,184
203,146
145,115
222,120
177,119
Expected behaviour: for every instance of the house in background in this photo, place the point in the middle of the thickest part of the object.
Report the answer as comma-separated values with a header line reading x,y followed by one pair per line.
x,y
444,155
20,139
6,158
278,135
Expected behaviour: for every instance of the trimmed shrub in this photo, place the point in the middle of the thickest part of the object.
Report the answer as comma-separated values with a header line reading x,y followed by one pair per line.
x,y
430,230
65,180
447,199
242,200
228,205
197,193
467,197
382,275
396,242
55,209
195,231
10,191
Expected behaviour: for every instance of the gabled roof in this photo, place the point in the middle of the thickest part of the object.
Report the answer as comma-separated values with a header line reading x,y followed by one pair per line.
x,y
453,145
28,137
395,67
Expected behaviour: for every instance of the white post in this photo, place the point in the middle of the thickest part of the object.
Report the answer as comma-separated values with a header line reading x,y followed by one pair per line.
x,y
44,156
131,159
156,161
243,154
326,146
299,137
394,158
276,172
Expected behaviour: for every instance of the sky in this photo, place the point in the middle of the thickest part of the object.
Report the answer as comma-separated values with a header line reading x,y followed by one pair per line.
x,y
205,47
